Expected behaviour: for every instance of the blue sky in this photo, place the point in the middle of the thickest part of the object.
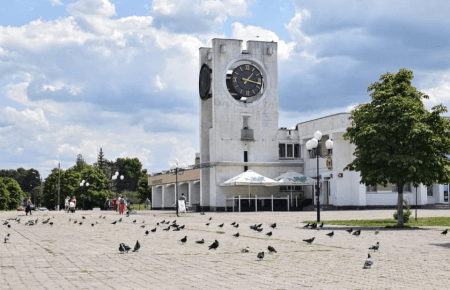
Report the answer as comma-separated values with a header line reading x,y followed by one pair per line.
x,y
122,75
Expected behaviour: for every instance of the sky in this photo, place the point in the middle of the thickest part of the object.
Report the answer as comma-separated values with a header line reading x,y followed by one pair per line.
x,y
80,75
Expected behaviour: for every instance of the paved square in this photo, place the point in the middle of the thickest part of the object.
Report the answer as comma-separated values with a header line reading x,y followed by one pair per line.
x,y
72,256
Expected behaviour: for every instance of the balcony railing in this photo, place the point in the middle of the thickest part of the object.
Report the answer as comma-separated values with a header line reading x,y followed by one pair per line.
x,y
247,134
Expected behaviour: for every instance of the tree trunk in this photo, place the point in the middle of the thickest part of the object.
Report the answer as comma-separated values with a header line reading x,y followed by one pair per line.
x,y
400,205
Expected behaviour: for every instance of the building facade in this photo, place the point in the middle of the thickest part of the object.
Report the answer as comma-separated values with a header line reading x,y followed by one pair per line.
x,y
239,131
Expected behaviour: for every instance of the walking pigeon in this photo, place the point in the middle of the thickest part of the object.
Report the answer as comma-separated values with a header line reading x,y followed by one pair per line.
x,y
309,241
143,226
220,225
207,224
134,221
83,217
182,227
357,233
331,234
273,225
260,255
444,232
126,247
146,232
271,249
210,218
246,250
183,240
269,234
350,230
121,248
137,246
202,241
306,226
7,238
321,225
114,222
236,226
166,229
377,231
214,245
236,235
369,262
375,247
120,220
233,223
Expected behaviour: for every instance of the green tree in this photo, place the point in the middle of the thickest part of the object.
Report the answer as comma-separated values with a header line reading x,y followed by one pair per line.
x,y
80,163
143,189
4,196
49,196
96,193
131,169
14,192
397,140
101,160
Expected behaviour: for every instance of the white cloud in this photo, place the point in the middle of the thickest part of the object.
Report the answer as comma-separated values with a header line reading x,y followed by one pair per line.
x,y
55,2
439,94
295,25
158,82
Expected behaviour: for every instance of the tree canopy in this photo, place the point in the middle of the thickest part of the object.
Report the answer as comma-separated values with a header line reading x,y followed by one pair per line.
x,y
10,193
397,140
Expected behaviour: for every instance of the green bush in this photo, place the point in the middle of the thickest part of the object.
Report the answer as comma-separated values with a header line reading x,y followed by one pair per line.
x,y
406,213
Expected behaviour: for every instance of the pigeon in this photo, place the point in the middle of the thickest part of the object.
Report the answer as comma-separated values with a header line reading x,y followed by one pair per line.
x,y
207,224
369,262
166,229
182,227
377,231
444,232
375,247
273,225
176,230
114,222
75,221
246,250
163,221
210,218
259,230
183,240
214,245
202,241
126,247
120,220
100,217
5,223
104,217
146,232
220,225
92,224
236,235
174,222
306,226
157,224
167,222
350,230
9,226
260,255
309,241
321,225
314,226
258,226
51,223
7,238
143,226
83,217
134,221
269,234
137,246
331,234
81,223
154,230
357,233
143,221
271,249
236,226
233,223
121,248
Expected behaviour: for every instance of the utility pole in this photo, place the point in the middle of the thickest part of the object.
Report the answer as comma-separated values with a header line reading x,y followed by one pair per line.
x,y
59,178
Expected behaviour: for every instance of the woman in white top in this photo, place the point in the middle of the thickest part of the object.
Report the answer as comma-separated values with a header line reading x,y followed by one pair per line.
x,y
66,204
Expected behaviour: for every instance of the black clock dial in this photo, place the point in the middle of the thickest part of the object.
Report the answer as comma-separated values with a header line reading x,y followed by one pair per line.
x,y
204,82
246,80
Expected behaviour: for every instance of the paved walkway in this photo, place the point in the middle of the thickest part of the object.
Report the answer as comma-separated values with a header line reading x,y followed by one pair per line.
x,y
73,256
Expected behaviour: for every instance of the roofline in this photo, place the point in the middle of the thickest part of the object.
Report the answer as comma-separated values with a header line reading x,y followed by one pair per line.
x,y
343,113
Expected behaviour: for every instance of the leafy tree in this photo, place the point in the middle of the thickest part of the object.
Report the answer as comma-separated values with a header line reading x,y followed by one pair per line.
x,y
49,196
4,196
397,140
15,192
27,179
80,163
143,189
130,168
97,191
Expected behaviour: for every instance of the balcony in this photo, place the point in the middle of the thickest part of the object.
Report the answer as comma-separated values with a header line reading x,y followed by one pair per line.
x,y
247,134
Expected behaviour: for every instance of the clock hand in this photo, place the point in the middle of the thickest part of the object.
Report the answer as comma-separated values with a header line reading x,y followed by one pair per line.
x,y
248,80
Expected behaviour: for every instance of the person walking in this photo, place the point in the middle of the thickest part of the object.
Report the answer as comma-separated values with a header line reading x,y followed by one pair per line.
x,y
73,204
66,204
28,209
122,204
147,203
107,204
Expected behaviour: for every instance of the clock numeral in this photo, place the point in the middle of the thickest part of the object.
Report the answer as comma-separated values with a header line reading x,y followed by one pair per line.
x,y
247,93
237,86
258,87
241,68
236,72
259,80
247,67
258,74
253,69
253,92
241,91
234,79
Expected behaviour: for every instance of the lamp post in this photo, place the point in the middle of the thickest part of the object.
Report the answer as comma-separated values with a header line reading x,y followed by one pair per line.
x,y
177,169
84,185
117,193
314,147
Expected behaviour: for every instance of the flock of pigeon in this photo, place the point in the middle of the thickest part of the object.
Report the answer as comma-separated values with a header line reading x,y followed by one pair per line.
x,y
123,248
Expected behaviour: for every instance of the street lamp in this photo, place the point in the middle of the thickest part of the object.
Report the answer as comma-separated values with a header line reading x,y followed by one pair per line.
x,y
84,185
177,169
314,147
115,176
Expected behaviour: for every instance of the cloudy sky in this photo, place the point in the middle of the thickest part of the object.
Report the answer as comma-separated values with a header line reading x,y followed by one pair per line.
x,y
77,75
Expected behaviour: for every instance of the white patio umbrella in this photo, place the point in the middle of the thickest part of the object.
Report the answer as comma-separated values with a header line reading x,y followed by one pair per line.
x,y
293,178
250,178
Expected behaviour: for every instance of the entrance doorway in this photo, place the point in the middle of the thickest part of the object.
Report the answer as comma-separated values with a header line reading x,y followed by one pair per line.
x,y
446,193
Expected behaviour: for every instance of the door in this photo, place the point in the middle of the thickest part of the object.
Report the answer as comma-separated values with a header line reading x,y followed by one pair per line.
x,y
446,193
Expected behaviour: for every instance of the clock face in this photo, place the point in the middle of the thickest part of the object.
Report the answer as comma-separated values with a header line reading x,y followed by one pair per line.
x,y
246,80
204,82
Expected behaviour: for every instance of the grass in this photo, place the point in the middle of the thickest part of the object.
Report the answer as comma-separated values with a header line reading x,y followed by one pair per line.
x,y
48,250
391,223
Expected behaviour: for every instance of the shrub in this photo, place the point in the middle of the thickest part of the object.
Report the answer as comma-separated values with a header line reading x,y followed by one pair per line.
x,y
406,213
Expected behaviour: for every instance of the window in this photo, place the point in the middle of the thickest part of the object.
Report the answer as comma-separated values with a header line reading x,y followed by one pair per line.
x,y
246,126
297,150
290,150
406,187
371,188
282,150
429,190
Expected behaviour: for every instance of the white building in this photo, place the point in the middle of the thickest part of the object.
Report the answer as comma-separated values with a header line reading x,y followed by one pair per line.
x,y
239,131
